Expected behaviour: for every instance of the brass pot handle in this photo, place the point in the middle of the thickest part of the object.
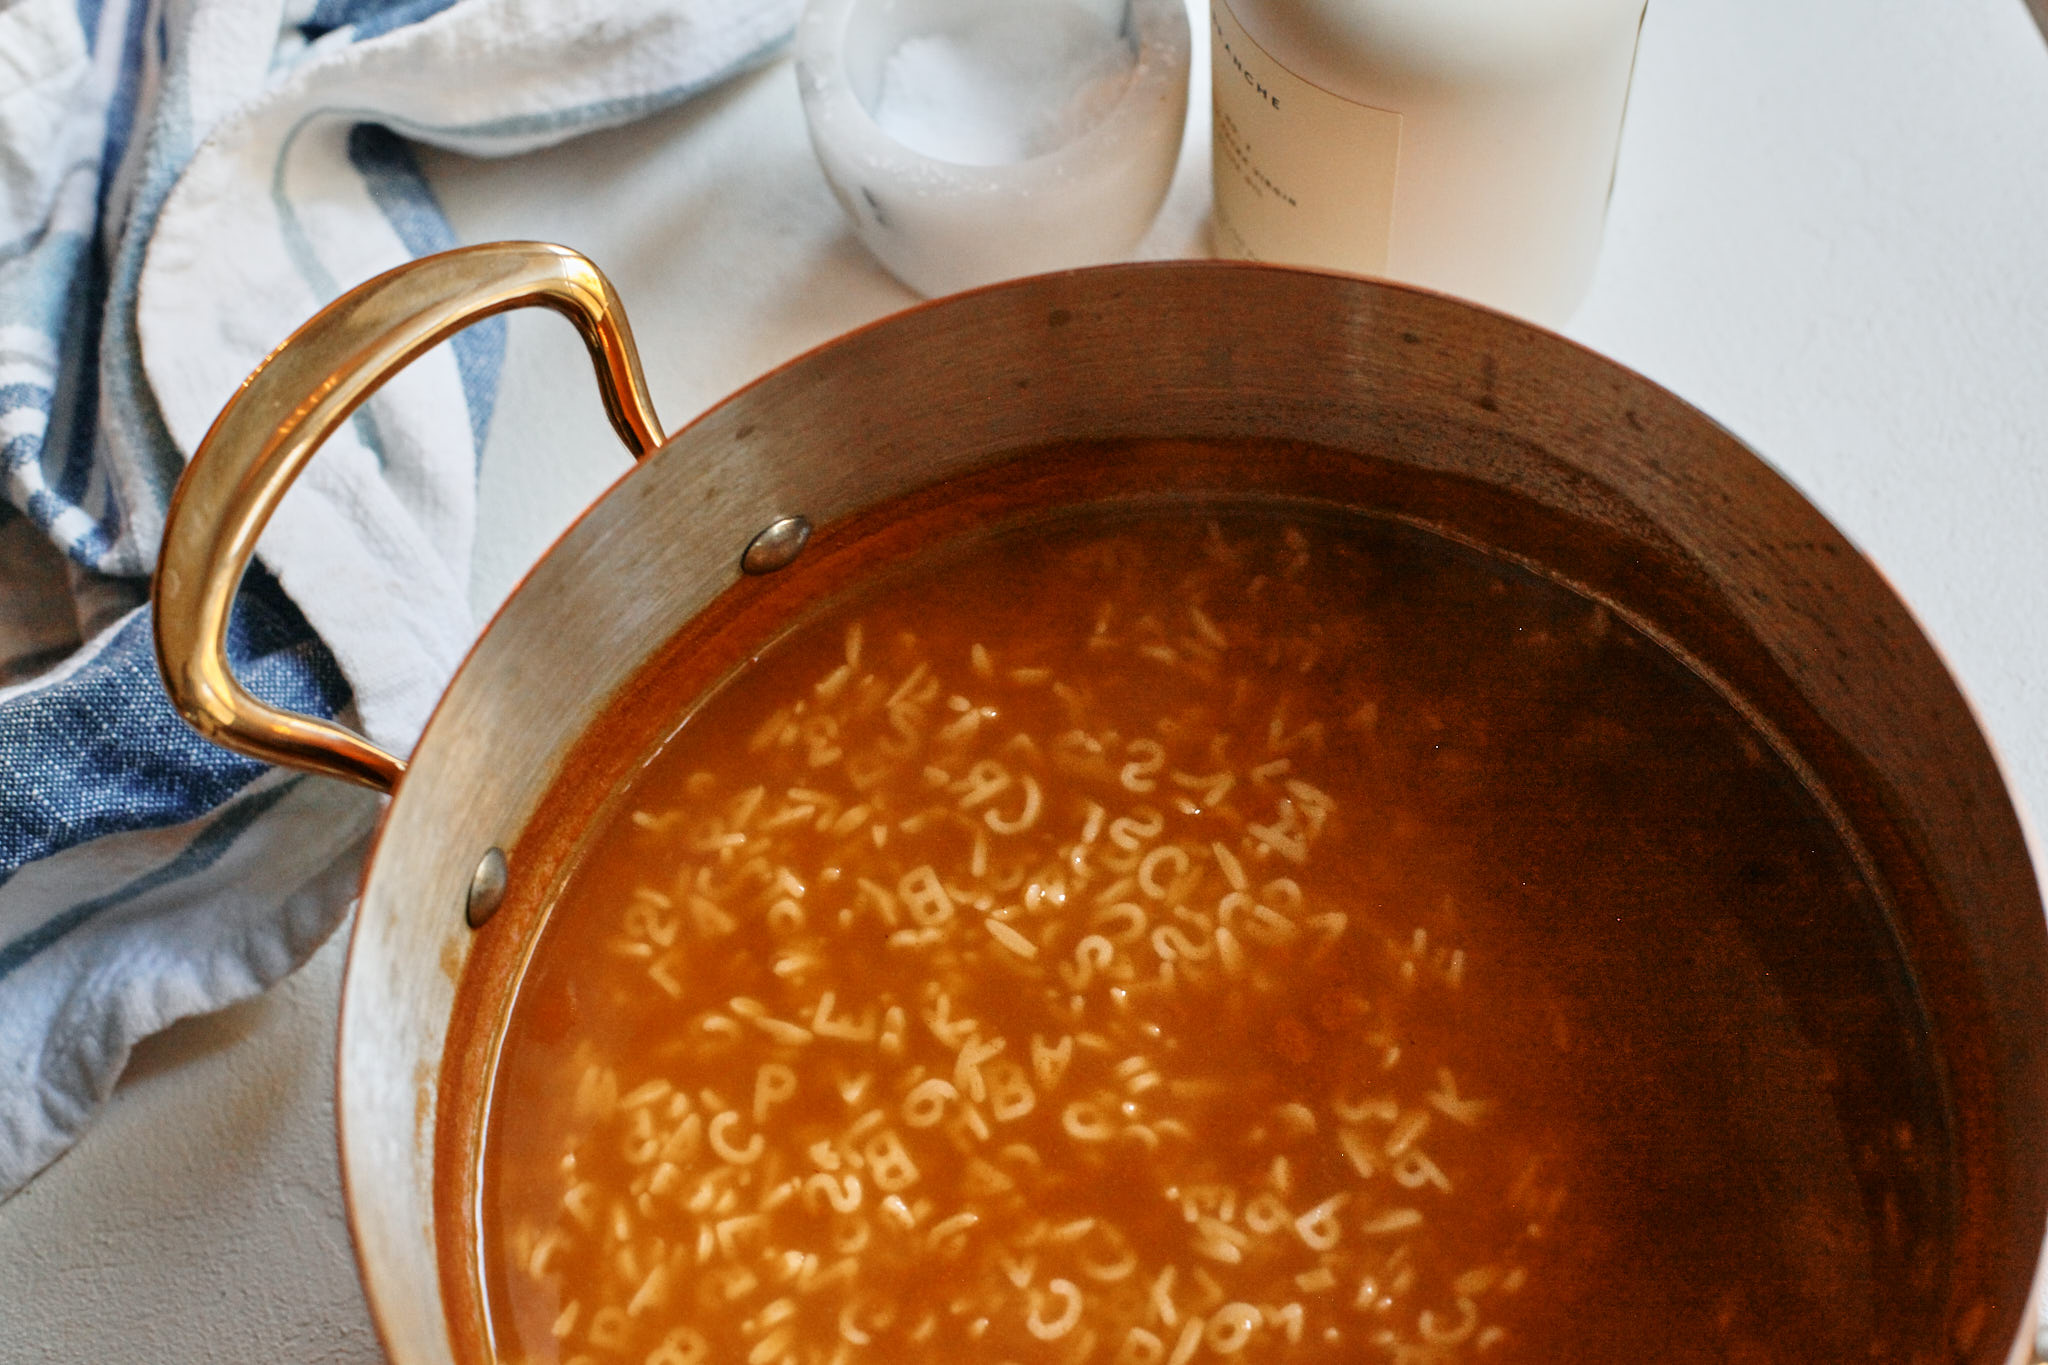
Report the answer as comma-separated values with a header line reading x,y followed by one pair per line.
x,y
295,399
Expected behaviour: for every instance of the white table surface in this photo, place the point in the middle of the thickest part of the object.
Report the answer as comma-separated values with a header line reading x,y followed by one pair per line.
x,y
1829,231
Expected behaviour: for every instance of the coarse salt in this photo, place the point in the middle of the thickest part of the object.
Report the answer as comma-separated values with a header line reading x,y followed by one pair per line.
x,y
1011,83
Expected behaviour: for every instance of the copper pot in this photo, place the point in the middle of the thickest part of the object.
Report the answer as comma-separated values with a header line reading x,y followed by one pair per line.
x,y
1139,377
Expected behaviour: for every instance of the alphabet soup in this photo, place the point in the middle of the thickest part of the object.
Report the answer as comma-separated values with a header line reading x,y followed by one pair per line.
x,y
1199,932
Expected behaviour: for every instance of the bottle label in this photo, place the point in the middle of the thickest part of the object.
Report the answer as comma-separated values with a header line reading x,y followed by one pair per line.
x,y
1302,176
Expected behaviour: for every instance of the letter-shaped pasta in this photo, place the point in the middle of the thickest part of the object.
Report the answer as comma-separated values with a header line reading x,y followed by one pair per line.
x,y
1233,870
826,1024
1140,775
1049,1061
1091,955
1162,1297
1446,1100
646,922
925,1105
848,1328
1085,1121
1128,832
1140,1348
1415,1169
1407,1132
1378,1107
1010,938
1149,870
967,1075
1231,1327
1219,1241
843,1192
1229,950
1172,944
1124,922
682,1346
894,1021
1269,926
1026,818
1439,1333
642,1143
1265,1213
889,1161
786,918
1112,1269
880,897
1052,1329
1284,836
543,1258
984,782
1318,1228
947,1229
1009,1091
721,1143
774,1084
924,895
1288,1319
1393,1220
609,1328
1284,894
681,1145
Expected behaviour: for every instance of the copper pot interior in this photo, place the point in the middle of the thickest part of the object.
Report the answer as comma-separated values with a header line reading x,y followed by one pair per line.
x,y
1143,382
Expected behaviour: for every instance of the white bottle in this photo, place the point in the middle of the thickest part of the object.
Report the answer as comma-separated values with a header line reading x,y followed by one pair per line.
x,y
1463,145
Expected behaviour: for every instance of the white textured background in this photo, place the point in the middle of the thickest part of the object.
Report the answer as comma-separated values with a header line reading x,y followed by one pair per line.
x,y
1830,231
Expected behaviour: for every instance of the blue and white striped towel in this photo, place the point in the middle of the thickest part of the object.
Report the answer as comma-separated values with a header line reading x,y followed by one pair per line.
x,y
181,184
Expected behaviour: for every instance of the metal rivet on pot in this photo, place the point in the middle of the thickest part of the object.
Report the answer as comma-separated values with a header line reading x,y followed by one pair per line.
x,y
777,547
487,887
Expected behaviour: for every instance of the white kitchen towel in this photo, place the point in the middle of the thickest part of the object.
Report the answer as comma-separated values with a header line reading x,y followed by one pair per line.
x,y
183,182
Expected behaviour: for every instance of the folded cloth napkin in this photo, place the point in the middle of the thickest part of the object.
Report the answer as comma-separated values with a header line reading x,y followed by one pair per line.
x,y
182,184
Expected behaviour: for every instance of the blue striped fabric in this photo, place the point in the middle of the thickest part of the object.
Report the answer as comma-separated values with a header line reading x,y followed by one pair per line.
x,y
99,751
146,156
392,176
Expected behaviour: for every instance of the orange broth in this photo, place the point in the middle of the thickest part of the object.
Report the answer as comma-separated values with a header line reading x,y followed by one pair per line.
x,y
1191,933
